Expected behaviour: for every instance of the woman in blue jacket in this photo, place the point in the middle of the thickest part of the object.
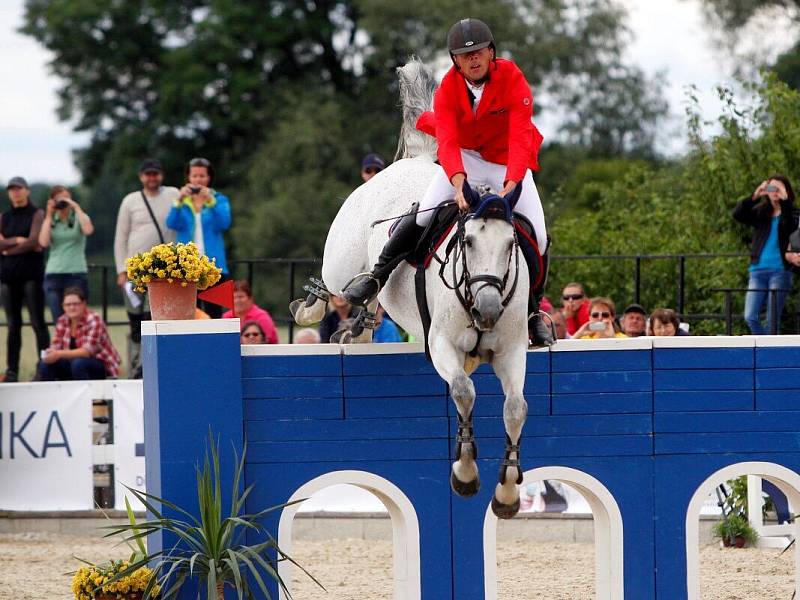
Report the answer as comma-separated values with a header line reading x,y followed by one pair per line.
x,y
202,215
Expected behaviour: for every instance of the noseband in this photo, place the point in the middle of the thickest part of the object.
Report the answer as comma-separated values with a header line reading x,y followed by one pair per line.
x,y
455,253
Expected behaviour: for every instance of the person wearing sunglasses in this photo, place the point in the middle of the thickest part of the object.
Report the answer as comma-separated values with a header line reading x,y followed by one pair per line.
x,y
252,334
601,324
202,215
371,165
575,307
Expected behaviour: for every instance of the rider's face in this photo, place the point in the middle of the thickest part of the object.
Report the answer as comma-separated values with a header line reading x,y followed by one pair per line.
x,y
475,65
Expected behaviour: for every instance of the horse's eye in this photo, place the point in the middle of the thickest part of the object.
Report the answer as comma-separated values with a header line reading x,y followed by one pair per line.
x,y
468,242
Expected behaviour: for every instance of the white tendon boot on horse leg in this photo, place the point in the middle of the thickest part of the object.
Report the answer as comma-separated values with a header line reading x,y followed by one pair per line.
x,y
510,369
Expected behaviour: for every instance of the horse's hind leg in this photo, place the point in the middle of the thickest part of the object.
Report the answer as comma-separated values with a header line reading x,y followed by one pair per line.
x,y
510,369
449,362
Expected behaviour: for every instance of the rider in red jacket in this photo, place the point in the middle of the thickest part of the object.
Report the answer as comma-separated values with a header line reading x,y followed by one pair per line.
x,y
482,121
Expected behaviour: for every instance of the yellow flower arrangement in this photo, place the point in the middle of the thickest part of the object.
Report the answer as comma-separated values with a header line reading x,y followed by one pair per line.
x,y
173,262
89,583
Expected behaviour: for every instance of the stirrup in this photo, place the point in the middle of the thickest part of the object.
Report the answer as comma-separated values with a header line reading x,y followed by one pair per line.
x,y
316,289
552,326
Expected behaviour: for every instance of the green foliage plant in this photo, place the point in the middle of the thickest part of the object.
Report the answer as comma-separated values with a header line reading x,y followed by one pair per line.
x,y
210,548
734,526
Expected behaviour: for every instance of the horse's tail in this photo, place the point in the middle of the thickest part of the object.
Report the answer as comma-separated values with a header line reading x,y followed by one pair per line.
x,y
417,86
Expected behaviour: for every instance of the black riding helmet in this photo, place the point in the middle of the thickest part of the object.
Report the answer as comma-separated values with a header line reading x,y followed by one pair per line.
x,y
469,35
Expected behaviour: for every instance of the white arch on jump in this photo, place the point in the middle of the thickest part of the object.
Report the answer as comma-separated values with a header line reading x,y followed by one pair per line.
x,y
608,539
405,527
786,480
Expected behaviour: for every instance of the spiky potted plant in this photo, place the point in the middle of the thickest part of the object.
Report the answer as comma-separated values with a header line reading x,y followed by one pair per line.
x,y
210,548
734,530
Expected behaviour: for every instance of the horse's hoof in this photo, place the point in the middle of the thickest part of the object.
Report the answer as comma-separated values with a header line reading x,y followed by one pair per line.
x,y
467,489
504,511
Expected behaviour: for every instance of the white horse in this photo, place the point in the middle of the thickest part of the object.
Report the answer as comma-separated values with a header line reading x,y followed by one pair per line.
x,y
494,328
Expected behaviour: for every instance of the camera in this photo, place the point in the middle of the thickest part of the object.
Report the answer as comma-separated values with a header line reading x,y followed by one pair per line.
x,y
60,204
771,188
597,326
195,189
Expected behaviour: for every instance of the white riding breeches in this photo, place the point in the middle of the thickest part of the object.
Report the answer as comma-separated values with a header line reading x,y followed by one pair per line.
x,y
481,172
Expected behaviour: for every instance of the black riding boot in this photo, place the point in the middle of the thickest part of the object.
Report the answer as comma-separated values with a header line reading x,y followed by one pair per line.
x,y
363,289
540,333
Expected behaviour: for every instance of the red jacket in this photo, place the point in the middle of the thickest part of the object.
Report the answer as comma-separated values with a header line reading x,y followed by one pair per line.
x,y
502,130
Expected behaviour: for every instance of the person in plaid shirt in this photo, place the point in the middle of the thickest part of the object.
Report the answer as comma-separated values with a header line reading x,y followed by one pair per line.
x,y
81,347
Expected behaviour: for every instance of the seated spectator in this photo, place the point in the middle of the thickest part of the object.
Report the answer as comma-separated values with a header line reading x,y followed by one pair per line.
x,y
332,321
81,347
371,165
386,330
246,310
575,307
560,324
64,231
307,336
252,334
601,321
634,321
665,322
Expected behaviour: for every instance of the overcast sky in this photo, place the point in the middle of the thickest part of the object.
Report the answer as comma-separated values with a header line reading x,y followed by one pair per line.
x,y
670,36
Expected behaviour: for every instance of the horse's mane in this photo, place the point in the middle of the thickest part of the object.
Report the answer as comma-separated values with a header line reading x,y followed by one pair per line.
x,y
417,86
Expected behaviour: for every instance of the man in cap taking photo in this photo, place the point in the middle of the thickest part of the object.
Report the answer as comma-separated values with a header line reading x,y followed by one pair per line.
x,y
482,121
141,224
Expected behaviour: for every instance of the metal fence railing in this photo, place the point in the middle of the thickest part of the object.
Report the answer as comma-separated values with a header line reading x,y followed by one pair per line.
x,y
292,271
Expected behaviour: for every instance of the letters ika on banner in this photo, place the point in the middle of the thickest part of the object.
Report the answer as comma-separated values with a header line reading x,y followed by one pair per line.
x,y
46,447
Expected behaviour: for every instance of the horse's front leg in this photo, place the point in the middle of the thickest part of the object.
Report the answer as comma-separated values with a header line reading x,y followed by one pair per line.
x,y
510,369
449,363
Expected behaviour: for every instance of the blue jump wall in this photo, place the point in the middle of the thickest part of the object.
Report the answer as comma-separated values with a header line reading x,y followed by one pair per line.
x,y
651,419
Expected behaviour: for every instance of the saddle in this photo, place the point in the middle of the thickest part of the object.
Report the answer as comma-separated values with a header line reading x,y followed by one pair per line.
x,y
434,235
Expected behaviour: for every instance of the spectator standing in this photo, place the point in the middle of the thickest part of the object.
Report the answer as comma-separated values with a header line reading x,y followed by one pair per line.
x,y
141,224
202,215
342,310
371,165
601,321
246,310
634,321
81,347
252,334
575,307
770,212
21,272
64,231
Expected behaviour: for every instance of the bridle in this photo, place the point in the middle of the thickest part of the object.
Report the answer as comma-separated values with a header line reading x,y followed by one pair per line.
x,y
455,254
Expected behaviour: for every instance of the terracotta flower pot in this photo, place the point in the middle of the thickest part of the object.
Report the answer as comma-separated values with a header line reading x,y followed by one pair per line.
x,y
739,542
172,301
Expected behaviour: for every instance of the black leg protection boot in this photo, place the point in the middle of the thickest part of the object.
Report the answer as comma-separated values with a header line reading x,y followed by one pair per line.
x,y
540,329
405,237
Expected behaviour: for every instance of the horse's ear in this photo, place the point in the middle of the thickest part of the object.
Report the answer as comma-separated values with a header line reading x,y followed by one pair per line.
x,y
512,197
470,195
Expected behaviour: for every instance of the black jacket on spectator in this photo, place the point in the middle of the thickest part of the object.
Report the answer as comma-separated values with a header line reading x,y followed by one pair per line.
x,y
25,266
758,214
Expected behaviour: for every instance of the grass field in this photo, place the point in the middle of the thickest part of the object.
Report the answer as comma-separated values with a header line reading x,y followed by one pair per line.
x,y
119,337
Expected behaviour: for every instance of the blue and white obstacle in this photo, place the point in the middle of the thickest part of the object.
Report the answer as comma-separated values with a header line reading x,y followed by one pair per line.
x,y
644,428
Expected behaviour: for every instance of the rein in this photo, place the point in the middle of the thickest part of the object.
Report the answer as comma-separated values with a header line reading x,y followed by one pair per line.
x,y
455,253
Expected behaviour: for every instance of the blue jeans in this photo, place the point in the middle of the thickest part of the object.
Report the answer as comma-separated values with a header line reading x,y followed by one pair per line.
x,y
72,369
754,301
56,283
